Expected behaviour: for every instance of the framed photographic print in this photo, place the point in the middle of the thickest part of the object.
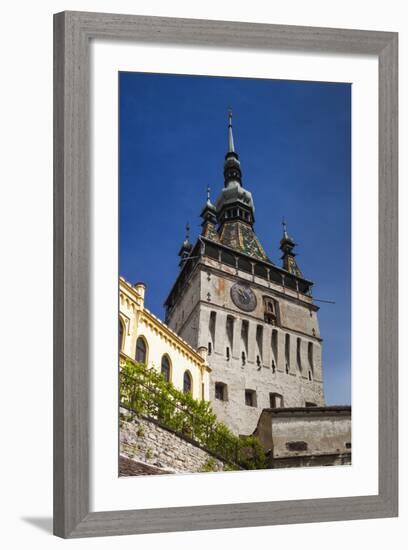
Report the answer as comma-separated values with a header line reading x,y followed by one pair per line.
x,y
225,274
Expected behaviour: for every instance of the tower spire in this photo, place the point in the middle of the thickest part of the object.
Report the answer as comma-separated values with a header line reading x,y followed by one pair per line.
x,y
232,166
231,148
285,232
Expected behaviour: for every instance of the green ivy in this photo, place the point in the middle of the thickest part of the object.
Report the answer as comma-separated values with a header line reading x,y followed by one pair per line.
x,y
145,392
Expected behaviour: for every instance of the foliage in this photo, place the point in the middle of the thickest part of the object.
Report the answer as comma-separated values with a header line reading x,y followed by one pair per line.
x,y
210,465
145,392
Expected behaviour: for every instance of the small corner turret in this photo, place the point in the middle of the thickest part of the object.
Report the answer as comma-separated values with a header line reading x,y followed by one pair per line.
x,y
209,216
186,247
287,244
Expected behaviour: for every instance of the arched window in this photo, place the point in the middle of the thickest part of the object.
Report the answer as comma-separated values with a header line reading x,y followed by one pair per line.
x,y
187,382
141,350
121,332
271,311
166,368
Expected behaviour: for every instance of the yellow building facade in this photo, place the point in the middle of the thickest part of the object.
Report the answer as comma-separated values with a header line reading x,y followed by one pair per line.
x,y
144,338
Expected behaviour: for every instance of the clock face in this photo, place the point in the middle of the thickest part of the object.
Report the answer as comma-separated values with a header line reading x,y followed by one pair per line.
x,y
243,297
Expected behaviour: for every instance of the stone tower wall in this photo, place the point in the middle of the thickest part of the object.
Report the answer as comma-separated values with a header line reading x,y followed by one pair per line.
x,y
209,291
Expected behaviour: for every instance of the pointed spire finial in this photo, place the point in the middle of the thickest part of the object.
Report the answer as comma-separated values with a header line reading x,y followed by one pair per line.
x,y
208,193
285,232
231,148
187,232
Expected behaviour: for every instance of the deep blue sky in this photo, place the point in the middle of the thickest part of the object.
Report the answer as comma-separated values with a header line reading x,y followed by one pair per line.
x,y
294,143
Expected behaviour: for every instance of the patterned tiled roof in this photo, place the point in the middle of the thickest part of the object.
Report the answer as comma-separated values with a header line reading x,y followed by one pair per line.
x,y
241,237
210,232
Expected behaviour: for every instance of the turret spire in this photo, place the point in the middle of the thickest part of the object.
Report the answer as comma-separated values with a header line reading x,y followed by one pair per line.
x,y
287,244
209,216
186,247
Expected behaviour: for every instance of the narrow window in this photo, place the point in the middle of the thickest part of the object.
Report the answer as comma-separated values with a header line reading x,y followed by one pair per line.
x,y
244,335
243,358
141,350
120,335
259,340
227,353
187,382
230,330
250,398
298,354
287,352
273,366
275,400
310,355
221,391
165,367
274,345
296,446
209,348
310,404
310,375
258,361
211,327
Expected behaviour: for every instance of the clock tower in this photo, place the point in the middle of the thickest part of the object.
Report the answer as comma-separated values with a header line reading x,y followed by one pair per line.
x,y
257,319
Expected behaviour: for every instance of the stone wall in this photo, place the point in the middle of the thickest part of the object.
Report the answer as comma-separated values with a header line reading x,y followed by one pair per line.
x,y
315,436
147,442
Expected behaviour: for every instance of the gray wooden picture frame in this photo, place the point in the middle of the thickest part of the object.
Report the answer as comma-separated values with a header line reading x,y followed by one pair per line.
x,y
72,34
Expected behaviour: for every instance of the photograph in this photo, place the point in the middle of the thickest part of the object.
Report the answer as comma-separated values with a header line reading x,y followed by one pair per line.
x,y
234,291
